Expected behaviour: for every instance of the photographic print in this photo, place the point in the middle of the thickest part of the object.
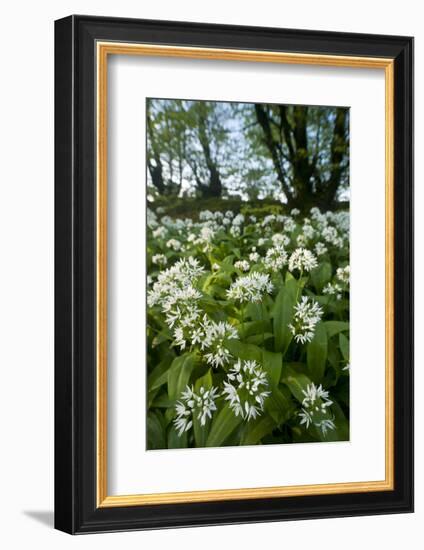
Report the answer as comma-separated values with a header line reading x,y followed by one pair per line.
x,y
247,273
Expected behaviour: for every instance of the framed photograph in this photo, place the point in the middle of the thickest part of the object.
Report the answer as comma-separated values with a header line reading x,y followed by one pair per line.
x,y
234,274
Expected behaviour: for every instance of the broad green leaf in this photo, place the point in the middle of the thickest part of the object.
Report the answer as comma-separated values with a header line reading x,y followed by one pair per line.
x,y
283,315
317,353
162,402
344,346
244,351
163,336
259,339
223,424
272,363
251,328
277,405
159,374
176,441
334,327
179,374
321,276
257,429
255,311
155,432
296,382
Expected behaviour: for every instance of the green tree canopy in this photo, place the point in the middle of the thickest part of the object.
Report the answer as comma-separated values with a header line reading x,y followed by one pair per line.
x,y
299,154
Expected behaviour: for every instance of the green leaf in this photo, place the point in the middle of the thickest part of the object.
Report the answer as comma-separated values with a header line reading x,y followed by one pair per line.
x,y
244,351
334,327
224,423
296,382
162,402
252,328
317,353
272,363
278,405
257,429
159,374
175,441
155,431
321,276
179,374
259,339
283,314
344,346
255,311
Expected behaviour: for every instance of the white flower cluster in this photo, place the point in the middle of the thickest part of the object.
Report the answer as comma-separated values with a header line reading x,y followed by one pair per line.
x,y
159,259
250,288
275,259
343,274
213,340
245,389
333,289
175,293
315,409
280,239
302,259
192,405
174,282
320,249
242,265
307,313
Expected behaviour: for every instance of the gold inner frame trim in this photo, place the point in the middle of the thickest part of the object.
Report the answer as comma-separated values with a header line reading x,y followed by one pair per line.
x,y
104,49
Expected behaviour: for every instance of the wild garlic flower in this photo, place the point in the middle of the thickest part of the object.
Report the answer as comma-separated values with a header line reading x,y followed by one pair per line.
x,y
289,225
215,267
174,244
275,258
238,220
343,274
175,293
250,288
243,265
160,232
331,235
320,249
333,289
307,313
151,219
186,324
280,239
308,231
302,260
246,389
301,240
315,409
205,215
254,257
192,405
159,259
235,231
315,213
294,212
268,220
213,341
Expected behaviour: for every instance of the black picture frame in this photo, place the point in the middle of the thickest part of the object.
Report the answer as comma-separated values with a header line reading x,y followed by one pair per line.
x,y
76,510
